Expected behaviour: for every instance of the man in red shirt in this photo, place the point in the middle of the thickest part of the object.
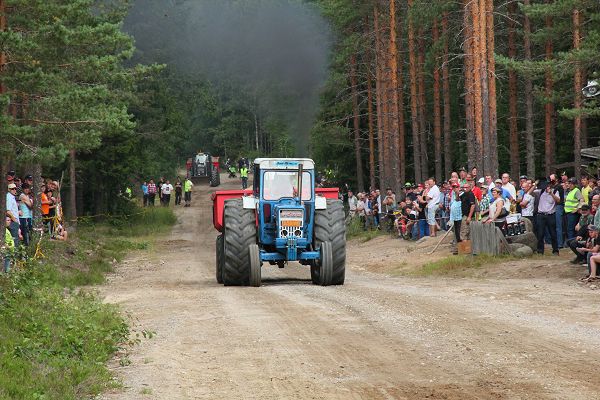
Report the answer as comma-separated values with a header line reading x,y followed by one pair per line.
x,y
475,188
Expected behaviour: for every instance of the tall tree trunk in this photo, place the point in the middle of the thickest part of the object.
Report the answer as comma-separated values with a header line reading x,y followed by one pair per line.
x,y
477,93
512,92
393,95
446,96
528,89
412,59
437,112
491,76
372,181
356,122
401,119
549,106
578,101
3,160
423,131
72,187
379,96
469,66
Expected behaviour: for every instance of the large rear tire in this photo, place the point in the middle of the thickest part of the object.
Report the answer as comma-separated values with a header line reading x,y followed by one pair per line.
x,y
239,228
330,227
214,177
219,251
254,259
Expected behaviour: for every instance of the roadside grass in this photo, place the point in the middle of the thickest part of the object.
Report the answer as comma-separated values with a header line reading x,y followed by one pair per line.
x,y
460,265
355,230
54,337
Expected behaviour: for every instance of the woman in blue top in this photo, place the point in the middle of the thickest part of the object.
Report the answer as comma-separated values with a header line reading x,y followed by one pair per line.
x,y
455,214
25,213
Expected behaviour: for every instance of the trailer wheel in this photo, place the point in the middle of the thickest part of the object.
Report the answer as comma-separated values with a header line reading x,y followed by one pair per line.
x,y
239,229
330,227
219,252
214,177
254,259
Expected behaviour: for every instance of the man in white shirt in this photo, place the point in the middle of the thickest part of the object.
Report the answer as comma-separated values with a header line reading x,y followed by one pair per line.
x,y
12,212
433,202
352,203
509,187
166,190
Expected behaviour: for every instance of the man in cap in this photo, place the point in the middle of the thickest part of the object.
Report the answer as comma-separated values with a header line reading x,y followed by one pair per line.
x,y
12,212
584,246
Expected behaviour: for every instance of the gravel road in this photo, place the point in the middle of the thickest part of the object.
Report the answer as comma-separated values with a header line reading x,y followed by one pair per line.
x,y
376,337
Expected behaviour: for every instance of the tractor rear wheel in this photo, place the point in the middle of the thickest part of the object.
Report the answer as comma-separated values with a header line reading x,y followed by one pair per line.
x,y
219,251
214,177
239,229
254,259
330,227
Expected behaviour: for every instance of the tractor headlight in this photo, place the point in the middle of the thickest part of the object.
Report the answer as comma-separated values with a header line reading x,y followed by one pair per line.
x,y
592,89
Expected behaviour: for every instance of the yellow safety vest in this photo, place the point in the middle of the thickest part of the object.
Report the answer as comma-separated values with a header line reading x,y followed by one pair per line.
x,y
244,172
571,202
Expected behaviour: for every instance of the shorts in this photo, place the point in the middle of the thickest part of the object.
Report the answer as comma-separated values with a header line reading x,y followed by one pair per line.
x,y
431,214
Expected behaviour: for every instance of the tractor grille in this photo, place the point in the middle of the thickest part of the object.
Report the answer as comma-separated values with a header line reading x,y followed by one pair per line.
x,y
291,223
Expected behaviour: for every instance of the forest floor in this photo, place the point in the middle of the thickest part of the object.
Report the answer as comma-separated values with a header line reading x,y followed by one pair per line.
x,y
515,329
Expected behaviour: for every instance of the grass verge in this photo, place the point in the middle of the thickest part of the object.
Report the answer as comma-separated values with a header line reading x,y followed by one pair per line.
x,y
355,230
460,265
54,338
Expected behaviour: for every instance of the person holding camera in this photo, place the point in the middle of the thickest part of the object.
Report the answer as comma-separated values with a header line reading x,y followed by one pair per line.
x,y
549,199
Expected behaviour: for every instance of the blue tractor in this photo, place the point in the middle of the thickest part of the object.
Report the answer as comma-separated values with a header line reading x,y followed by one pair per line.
x,y
283,219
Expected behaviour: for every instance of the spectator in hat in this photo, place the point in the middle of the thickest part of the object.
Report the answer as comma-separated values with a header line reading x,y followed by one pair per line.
x,y
505,194
10,177
12,212
573,202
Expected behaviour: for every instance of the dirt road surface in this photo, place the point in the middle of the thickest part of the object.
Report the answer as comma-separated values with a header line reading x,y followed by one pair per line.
x,y
377,337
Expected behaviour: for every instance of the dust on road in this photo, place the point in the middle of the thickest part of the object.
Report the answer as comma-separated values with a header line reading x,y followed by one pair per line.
x,y
376,337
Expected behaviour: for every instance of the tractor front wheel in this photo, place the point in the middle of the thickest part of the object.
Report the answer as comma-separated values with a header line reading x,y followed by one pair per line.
x,y
254,255
239,229
321,272
330,227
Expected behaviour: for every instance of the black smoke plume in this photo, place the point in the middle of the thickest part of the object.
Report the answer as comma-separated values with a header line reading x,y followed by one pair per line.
x,y
276,49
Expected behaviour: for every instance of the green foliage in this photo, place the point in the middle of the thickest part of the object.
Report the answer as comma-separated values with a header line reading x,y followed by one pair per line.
x,y
460,265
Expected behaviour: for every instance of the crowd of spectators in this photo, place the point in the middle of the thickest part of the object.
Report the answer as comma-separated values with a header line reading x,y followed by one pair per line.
x,y
19,217
563,211
164,190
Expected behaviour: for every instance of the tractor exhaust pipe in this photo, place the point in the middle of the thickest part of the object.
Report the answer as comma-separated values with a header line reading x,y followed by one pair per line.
x,y
300,170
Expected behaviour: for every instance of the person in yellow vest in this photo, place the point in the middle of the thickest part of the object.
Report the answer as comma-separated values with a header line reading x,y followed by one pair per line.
x,y
8,246
244,176
187,191
573,202
586,188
